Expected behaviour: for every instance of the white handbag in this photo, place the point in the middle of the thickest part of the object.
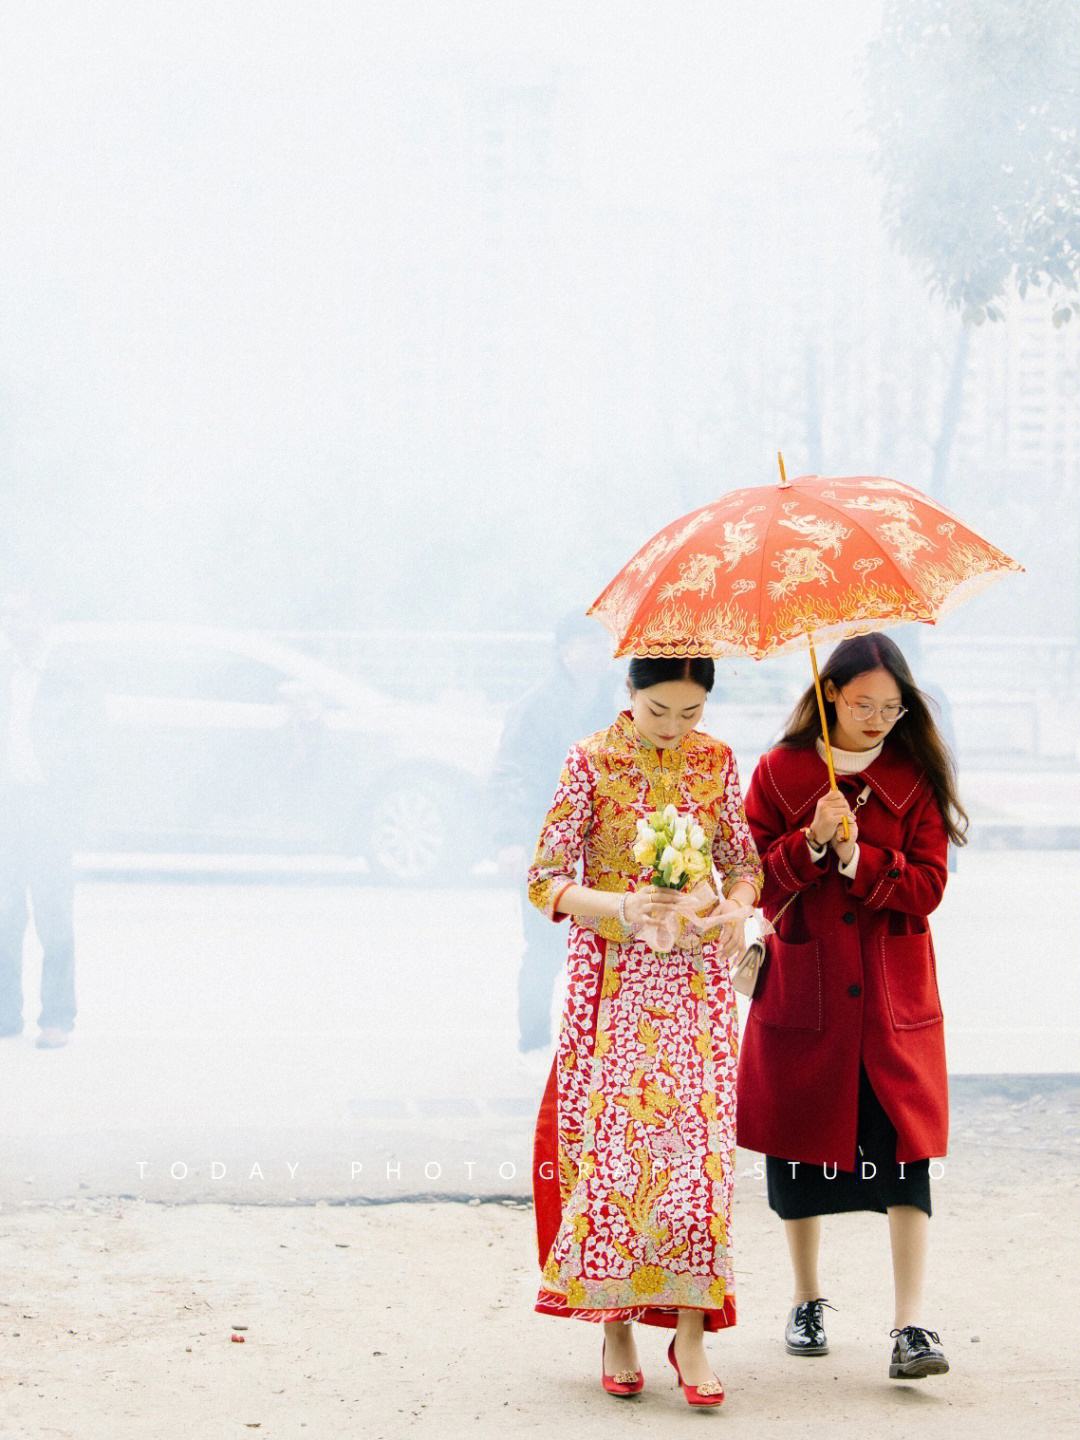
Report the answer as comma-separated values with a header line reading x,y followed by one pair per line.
x,y
745,971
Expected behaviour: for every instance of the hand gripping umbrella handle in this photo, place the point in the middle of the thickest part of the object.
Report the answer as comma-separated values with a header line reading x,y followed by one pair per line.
x,y
845,827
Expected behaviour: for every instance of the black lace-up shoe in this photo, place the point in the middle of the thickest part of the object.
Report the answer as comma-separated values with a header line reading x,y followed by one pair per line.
x,y
804,1334
917,1352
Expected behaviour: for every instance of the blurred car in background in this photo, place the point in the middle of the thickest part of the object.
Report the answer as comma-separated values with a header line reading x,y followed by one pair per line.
x,y
227,742
219,746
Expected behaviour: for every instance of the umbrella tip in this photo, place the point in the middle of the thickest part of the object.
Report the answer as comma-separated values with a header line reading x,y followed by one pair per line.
x,y
783,472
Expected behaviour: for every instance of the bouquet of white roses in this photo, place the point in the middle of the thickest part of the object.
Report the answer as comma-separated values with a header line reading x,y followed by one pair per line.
x,y
676,850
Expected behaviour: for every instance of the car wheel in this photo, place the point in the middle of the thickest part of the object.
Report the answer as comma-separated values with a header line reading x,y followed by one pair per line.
x,y
414,834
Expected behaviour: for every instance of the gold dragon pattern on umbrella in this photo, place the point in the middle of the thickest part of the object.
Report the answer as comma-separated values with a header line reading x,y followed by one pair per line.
x,y
824,555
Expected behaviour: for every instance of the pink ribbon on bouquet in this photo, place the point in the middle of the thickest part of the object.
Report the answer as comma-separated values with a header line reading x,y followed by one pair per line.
x,y
662,935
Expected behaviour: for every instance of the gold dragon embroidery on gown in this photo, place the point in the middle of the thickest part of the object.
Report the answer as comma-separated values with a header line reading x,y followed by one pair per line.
x,y
646,1142
631,781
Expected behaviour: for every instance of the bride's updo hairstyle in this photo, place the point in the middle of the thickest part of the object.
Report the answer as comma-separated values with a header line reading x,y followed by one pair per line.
x,y
645,670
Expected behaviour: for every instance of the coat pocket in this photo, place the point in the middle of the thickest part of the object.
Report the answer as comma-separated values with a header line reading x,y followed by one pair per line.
x,y
791,993
909,978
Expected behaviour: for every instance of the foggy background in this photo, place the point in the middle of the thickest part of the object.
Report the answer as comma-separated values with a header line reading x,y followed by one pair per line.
x,y
348,348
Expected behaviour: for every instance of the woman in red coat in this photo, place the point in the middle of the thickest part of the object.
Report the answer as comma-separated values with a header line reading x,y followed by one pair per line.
x,y
842,1082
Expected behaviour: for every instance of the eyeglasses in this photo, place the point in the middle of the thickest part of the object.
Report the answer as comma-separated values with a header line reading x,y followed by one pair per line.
x,y
889,712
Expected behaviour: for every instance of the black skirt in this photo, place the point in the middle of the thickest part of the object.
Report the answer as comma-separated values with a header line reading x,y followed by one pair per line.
x,y
809,1192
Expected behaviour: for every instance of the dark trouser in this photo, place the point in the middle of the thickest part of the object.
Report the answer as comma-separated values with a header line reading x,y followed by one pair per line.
x,y
544,958
36,852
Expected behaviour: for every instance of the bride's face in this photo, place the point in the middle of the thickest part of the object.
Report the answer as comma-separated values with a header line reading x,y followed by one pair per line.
x,y
665,712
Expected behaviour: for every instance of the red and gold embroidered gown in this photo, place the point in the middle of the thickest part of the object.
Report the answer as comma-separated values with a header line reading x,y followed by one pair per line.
x,y
634,1147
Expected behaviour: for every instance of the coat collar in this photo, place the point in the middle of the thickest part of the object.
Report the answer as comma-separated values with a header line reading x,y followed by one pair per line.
x,y
797,779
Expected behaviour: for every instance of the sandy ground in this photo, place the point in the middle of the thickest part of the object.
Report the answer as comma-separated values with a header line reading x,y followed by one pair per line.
x,y
387,1320
412,1313
234,1026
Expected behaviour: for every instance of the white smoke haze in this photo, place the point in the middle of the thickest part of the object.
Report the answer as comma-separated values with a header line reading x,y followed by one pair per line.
x,y
345,349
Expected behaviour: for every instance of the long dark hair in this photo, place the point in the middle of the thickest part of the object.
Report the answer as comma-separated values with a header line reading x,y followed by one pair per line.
x,y
916,732
645,670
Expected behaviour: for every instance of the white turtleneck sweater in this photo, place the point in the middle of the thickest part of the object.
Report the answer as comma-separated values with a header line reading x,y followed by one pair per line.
x,y
845,762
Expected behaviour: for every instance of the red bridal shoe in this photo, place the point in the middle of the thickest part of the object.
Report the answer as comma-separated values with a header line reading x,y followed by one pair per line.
x,y
695,1394
620,1387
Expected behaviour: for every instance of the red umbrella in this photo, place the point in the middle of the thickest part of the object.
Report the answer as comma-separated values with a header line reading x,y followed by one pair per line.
x,y
763,569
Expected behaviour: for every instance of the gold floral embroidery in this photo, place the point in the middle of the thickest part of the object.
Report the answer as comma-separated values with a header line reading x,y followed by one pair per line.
x,y
612,847
648,1279
564,809
615,882
648,1034
612,779
647,1101
622,788
706,790
611,982
568,1174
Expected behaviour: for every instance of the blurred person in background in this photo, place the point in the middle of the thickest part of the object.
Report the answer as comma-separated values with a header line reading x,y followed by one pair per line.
x,y
575,697
48,746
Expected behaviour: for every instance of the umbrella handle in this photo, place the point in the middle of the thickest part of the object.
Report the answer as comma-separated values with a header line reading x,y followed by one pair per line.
x,y
845,827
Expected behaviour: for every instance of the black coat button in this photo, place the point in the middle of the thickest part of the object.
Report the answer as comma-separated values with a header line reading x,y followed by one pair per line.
x,y
848,917
893,874
854,989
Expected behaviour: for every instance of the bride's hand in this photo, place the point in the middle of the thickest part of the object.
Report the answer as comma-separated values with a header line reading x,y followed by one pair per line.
x,y
700,919
651,902
732,938
732,941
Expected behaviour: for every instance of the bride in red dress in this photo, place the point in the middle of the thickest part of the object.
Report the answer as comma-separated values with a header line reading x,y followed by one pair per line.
x,y
634,1147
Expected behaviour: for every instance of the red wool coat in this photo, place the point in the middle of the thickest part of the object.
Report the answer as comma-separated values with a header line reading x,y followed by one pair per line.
x,y
851,971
